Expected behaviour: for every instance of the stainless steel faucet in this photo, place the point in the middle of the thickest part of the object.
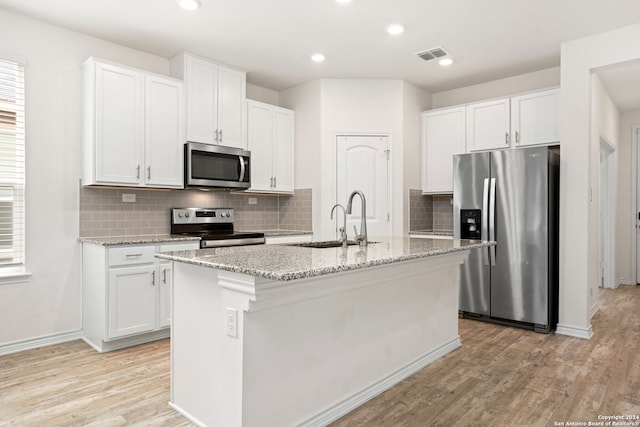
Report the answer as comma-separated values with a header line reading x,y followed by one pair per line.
x,y
361,237
342,230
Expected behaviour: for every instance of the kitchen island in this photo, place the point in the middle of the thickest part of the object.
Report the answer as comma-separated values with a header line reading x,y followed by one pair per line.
x,y
282,335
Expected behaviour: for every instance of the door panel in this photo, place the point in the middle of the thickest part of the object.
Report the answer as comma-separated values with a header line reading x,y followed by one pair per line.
x,y
469,173
519,280
362,164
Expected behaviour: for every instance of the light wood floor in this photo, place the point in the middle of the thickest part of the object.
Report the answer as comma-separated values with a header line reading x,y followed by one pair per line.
x,y
500,377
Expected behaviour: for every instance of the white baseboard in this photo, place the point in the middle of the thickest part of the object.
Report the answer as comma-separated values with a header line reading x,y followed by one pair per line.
x,y
624,281
45,341
186,415
349,404
573,331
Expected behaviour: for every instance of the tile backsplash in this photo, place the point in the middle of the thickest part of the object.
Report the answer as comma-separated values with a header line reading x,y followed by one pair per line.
x,y
432,212
104,214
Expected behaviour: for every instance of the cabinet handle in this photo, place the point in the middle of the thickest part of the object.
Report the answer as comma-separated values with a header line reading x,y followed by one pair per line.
x,y
138,173
164,276
221,136
216,138
517,137
506,138
275,181
132,255
153,278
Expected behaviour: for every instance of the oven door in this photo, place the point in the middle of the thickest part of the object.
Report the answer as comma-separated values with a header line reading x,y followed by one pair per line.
x,y
215,166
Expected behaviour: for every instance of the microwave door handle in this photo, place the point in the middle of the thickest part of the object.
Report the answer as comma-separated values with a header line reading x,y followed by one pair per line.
x,y
242,168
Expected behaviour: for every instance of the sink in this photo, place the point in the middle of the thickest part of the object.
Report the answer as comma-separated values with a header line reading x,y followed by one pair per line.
x,y
323,244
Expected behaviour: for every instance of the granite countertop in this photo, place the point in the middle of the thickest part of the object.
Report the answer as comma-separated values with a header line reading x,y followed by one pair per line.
x,y
137,240
284,262
432,232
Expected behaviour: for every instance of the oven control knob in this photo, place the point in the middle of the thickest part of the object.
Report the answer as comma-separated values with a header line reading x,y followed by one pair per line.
x,y
186,214
179,215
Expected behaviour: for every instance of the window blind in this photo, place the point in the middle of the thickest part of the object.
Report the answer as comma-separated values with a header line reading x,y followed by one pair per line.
x,y
12,206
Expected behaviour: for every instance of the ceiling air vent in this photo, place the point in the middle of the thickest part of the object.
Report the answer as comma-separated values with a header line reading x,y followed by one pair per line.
x,y
436,52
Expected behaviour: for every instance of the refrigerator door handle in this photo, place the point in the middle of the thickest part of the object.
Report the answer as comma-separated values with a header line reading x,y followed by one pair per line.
x,y
492,220
484,233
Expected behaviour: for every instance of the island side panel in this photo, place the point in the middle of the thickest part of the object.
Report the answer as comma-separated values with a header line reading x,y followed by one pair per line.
x,y
197,359
313,361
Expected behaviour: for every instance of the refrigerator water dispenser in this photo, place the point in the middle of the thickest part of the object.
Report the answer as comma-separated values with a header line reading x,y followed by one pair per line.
x,y
470,220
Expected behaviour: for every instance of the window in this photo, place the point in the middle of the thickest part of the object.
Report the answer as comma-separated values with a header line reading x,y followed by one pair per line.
x,y
12,212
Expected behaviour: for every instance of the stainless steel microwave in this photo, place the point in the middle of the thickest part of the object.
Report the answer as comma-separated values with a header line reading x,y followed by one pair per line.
x,y
216,166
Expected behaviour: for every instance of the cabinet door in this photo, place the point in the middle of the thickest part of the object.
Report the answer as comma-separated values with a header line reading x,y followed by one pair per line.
x,y
443,135
283,150
164,132
119,125
202,95
131,300
231,107
488,125
534,118
165,283
259,138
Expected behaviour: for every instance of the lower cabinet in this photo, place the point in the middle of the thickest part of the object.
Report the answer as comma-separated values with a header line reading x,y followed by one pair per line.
x,y
126,294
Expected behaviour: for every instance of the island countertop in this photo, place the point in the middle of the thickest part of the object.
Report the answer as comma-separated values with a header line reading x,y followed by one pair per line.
x,y
286,262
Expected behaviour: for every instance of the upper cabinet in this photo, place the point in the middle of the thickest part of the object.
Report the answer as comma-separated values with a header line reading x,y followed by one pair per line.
x,y
530,119
270,131
215,100
488,125
134,127
534,118
524,120
443,135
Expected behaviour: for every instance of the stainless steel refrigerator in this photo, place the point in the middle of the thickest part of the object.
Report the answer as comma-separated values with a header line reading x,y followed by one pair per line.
x,y
511,197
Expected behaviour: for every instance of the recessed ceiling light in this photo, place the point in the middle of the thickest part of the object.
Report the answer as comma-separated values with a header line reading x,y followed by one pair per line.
x,y
343,1
395,29
189,4
317,57
445,62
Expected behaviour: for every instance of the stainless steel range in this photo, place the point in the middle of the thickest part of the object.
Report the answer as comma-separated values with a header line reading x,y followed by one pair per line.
x,y
214,226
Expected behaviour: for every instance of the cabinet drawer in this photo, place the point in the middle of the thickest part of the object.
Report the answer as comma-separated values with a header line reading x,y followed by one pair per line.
x,y
131,255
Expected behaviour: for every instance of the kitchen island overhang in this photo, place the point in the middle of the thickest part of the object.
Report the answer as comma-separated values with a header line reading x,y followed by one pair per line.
x,y
281,335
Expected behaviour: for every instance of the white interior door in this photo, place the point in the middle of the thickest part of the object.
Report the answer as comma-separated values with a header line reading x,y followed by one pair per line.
x,y
363,164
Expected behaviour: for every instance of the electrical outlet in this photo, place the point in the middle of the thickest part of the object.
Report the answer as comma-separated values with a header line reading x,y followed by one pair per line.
x,y
232,322
128,198
253,200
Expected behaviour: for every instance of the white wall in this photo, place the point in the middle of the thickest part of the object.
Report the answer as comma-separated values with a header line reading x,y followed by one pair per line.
x,y
415,101
578,59
306,101
625,208
536,80
259,93
605,124
49,303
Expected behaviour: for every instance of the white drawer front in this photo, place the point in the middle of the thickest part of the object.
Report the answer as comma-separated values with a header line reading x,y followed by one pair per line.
x,y
131,255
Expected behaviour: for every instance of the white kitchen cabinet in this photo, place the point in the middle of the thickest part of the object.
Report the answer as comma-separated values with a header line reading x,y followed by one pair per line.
x,y
488,125
284,240
270,140
519,121
132,303
534,118
165,283
126,294
215,100
443,136
133,127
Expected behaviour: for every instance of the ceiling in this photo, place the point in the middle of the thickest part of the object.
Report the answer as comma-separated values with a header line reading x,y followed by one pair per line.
x,y
273,39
